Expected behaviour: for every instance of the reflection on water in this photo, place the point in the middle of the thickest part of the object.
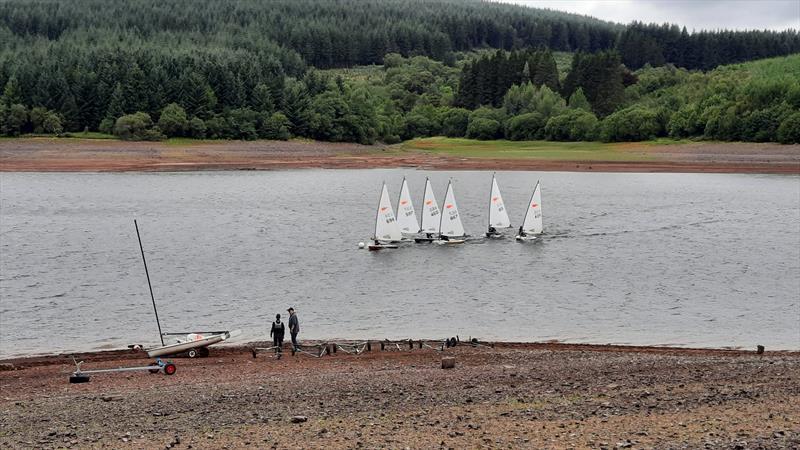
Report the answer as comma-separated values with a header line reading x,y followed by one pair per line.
x,y
685,259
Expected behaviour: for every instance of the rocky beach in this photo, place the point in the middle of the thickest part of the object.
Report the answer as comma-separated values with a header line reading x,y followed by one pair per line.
x,y
511,396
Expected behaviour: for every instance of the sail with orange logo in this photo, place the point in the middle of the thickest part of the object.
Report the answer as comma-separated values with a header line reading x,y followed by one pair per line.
x,y
498,216
406,216
430,210
386,228
533,216
450,223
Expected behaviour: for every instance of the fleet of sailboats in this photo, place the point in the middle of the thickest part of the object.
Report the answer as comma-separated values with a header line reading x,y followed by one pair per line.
x,y
444,226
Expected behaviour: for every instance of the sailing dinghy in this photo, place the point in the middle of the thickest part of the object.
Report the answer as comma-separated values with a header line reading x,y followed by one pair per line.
x,y
498,216
406,216
451,230
532,224
191,343
387,231
430,215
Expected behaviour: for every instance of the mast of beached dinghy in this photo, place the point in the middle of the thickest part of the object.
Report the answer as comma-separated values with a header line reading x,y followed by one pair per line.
x,y
160,336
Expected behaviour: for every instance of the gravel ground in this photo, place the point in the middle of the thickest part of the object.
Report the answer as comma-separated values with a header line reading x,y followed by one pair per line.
x,y
513,396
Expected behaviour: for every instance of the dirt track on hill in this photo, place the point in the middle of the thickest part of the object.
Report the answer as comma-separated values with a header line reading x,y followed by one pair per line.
x,y
513,396
87,155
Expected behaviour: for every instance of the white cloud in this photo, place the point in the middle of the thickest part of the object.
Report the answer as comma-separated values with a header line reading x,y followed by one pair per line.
x,y
694,14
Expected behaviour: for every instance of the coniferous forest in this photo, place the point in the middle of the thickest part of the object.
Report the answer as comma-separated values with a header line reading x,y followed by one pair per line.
x,y
231,69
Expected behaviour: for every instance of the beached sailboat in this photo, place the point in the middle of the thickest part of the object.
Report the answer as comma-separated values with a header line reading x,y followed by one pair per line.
x,y
532,224
386,229
430,215
498,216
192,343
451,230
406,216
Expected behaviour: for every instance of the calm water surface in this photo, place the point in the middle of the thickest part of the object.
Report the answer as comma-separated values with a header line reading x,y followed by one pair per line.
x,y
681,259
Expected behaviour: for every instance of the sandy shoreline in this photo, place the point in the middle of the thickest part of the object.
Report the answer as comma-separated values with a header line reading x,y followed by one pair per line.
x,y
87,155
513,396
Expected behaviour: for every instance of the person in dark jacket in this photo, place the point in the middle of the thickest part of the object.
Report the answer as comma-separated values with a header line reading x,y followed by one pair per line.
x,y
294,327
276,333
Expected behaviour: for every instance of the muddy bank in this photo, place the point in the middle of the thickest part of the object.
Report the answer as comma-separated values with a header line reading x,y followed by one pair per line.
x,y
513,396
87,155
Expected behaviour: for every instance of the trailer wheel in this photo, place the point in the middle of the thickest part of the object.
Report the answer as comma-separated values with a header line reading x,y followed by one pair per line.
x,y
203,352
157,367
79,378
169,369
192,353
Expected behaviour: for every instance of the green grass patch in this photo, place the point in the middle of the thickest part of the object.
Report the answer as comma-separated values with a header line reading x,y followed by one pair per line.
x,y
545,150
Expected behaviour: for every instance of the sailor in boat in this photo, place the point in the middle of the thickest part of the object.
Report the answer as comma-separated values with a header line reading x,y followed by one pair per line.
x,y
444,238
521,232
492,231
276,332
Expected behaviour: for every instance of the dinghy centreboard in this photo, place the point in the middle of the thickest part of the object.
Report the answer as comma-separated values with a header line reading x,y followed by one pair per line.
x,y
532,225
192,343
498,216
387,231
451,230
430,215
406,216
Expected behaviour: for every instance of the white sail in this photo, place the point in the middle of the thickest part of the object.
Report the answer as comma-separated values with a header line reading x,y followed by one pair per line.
x,y
386,228
498,216
533,217
406,216
430,210
450,223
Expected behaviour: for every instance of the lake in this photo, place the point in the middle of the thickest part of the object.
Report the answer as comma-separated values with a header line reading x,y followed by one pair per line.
x,y
701,260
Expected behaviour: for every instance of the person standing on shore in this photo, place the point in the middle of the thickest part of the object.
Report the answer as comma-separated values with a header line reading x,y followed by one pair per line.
x,y
294,327
276,333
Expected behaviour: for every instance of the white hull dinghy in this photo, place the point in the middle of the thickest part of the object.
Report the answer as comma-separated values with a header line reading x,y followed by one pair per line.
x,y
451,230
498,216
532,225
387,231
430,215
194,344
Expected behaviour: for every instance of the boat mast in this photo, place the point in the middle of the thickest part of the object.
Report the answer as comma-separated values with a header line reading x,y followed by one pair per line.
x,y
160,335
530,201
378,213
442,211
424,193
491,188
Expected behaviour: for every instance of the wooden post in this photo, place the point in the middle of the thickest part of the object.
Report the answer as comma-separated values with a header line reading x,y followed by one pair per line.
x,y
448,362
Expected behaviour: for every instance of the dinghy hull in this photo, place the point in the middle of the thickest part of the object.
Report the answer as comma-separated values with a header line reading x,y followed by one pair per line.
x,y
449,241
375,248
180,347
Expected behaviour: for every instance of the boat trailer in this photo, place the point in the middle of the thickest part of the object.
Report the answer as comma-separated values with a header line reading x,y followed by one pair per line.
x,y
83,376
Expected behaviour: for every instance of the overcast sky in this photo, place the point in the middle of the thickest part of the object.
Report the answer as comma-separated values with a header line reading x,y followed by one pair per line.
x,y
694,14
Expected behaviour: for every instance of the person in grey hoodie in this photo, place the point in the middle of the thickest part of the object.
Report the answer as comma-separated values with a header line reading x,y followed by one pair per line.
x,y
294,327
